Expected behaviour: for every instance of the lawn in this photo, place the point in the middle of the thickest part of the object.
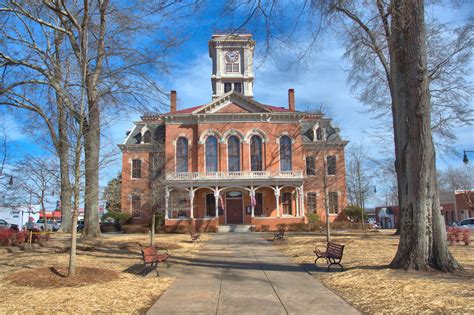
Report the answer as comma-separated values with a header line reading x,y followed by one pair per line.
x,y
369,285
125,293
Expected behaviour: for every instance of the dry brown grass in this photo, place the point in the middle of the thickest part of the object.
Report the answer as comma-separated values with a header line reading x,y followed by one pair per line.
x,y
128,294
372,288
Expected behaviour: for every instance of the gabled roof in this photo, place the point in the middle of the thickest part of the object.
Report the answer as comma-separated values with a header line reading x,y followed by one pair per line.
x,y
232,97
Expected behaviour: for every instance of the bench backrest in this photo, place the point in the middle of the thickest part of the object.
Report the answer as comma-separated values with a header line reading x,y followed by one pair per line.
x,y
149,251
334,250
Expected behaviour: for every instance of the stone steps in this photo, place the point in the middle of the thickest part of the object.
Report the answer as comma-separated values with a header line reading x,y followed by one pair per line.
x,y
234,228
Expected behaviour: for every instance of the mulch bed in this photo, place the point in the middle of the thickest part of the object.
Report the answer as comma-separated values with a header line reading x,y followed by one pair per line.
x,y
56,277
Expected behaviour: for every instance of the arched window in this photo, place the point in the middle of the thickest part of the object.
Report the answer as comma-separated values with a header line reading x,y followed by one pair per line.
x,y
147,137
233,149
285,153
211,154
182,155
256,153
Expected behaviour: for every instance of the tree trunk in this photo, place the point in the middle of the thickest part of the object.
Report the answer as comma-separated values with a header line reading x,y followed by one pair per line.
x,y
423,237
64,170
92,152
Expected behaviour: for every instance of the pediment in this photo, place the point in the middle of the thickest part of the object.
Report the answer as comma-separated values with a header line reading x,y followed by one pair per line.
x,y
232,103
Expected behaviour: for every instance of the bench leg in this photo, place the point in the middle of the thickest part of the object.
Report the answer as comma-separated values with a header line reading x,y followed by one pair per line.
x,y
333,262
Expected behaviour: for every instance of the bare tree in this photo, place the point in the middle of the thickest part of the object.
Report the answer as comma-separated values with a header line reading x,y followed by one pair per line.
x,y
459,179
38,178
359,177
112,47
391,37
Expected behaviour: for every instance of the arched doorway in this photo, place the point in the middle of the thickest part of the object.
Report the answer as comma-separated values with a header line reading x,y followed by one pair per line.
x,y
234,207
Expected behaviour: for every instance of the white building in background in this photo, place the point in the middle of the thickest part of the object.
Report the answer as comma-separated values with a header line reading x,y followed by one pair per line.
x,y
19,215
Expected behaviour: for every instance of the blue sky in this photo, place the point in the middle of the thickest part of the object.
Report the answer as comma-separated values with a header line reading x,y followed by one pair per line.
x,y
321,79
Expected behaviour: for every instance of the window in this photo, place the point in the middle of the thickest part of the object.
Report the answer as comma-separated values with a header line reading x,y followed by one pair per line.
x,y
210,205
136,168
231,67
147,137
233,147
331,165
310,166
182,155
258,209
286,202
310,134
311,202
333,203
238,87
285,153
211,154
256,153
319,134
227,87
136,206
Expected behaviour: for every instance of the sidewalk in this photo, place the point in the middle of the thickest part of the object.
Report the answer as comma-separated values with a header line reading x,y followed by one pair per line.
x,y
241,273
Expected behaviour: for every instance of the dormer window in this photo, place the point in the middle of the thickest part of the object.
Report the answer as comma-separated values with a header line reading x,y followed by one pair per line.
x,y
238,87
227,87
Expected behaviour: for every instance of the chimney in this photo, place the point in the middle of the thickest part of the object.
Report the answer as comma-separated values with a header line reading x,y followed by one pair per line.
x,y
291,100
173,102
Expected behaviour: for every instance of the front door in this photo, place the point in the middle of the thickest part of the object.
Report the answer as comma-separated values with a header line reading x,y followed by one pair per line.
x,y
234,207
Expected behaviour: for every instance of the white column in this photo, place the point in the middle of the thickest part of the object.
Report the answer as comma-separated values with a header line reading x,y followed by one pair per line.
x,y
191,200
252,197
297,201
277,197
216,200
167,199
302,201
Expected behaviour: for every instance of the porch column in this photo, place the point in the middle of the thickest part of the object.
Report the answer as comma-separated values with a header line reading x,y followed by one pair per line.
x,y
297,202
216,201
252,200
191,200
167,199
277,197
302,201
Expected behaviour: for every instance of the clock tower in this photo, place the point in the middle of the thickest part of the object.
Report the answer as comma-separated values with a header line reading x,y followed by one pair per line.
x,y
232,64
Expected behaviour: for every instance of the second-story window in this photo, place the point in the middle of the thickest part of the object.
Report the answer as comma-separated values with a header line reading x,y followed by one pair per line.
x,y
233,147
136,168
256,153
331,165
310,166
182,155
211,154
285,153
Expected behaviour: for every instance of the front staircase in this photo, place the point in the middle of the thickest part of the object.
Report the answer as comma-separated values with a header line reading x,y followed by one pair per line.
x,y
236,228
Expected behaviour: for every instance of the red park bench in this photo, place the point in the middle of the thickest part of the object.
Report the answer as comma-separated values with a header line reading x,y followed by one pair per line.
x,y
333,254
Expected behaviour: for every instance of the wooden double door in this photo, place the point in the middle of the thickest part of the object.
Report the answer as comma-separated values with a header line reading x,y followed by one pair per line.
x,y
234,207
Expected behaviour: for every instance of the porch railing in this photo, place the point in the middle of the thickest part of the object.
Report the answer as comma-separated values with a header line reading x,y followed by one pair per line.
x,y
235,175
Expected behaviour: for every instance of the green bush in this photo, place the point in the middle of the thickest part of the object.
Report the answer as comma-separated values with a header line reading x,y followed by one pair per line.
x,y
313,218
118,217
354,213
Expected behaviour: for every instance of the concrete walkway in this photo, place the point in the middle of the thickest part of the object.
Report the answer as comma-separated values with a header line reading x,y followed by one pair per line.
x,y
241,273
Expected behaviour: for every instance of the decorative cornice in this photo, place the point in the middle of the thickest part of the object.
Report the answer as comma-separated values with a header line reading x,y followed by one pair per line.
x,y
321,145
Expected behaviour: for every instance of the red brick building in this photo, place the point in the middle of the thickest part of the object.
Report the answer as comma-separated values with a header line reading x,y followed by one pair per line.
x,y
233,160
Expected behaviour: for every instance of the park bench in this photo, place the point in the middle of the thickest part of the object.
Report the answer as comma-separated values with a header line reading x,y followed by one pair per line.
x,y
153,255
333,254
195,237
278,236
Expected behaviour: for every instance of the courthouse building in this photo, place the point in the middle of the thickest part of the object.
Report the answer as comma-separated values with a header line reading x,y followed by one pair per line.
x,y
233,160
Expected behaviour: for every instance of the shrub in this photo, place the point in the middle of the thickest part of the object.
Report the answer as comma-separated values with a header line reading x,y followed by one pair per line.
x,y
341,217
282,226
354,213
456,235
297,227
264,228
12,237
118,217
313,218
135,228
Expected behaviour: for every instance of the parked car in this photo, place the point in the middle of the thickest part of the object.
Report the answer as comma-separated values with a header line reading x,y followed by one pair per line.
x,y
466,224
4,225
51,225
80,225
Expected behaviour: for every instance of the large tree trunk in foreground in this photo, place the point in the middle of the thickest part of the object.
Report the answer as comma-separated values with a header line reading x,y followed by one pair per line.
x,y
92,150
423,241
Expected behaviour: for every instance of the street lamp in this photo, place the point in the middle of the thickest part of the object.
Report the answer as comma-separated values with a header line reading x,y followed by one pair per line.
x,y
465,159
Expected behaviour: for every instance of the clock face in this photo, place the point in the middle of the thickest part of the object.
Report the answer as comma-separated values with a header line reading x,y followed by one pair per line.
x,y
232,55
